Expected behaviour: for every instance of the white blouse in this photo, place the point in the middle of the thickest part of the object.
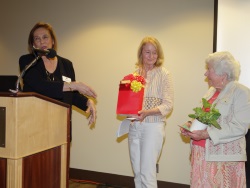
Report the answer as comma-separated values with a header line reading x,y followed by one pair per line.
x,y
158,93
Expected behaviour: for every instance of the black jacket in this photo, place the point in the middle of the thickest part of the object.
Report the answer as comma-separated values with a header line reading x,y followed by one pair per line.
x,y
36,80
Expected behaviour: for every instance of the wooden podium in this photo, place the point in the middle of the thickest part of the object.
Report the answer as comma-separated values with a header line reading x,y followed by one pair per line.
x,y
34,141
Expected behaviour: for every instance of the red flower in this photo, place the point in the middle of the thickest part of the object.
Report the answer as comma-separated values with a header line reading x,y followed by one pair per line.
x,y
135,77
137,81
206,109
129,77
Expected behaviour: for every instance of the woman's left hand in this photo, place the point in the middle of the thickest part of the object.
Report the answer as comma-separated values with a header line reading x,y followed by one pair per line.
x,y
144,113
141,115
92,110
198,135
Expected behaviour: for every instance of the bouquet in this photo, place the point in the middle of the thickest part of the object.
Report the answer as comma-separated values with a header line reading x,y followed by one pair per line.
x,y
130,96
134,81
207,114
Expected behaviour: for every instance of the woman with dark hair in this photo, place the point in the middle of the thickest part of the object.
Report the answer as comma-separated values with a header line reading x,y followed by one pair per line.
x,y
54,77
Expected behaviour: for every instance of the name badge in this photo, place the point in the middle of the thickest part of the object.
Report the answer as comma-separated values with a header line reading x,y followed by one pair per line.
x,y
66,79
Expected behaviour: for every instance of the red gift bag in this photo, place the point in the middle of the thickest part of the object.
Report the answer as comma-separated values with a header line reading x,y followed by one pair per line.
x,y
129,102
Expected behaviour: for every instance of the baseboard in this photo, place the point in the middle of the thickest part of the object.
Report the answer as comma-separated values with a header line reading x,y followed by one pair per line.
x,y
114,179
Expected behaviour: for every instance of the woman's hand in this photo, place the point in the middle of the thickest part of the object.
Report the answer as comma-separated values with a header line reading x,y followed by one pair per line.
x,y
92,110
199,135
141,115
144,113
195,135
83,89
185,131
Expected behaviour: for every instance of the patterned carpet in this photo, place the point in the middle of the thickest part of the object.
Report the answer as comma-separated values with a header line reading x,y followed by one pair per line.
x,y
88,184
74,184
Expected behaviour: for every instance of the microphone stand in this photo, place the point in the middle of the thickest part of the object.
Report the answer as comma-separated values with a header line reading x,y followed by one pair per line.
x,y
22,73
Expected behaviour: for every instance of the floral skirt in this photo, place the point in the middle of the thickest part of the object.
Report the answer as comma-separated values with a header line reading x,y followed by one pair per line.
x,y
213,174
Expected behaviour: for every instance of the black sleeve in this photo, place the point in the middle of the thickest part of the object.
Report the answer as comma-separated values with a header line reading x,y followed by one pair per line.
x,y
80,101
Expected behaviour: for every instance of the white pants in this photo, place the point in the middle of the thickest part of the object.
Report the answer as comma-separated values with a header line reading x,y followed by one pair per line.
x,y
145,146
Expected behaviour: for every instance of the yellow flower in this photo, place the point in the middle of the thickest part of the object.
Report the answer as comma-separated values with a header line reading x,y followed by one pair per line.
x,y
134,81
136,86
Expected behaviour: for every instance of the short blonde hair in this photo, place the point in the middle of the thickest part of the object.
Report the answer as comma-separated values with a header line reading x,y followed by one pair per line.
x,y
158,47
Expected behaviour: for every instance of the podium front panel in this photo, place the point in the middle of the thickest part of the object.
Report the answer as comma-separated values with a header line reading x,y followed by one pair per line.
x,y
36,141
32,125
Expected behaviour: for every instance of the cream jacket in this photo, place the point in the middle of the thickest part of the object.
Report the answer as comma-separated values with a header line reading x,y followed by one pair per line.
x,y
229,144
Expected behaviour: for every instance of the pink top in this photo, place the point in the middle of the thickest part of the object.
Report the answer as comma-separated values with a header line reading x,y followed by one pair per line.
x,y
203,142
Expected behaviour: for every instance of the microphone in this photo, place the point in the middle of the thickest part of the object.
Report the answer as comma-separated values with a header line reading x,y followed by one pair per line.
x,y
23,72
49,53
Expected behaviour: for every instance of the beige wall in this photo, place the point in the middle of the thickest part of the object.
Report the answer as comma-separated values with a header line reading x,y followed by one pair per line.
x,y
101,39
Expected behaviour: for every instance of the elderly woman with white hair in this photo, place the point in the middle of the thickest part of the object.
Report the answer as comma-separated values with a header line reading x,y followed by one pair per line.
x,y
218,155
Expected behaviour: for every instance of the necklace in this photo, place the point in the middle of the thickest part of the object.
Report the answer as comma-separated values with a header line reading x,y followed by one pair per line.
x,y
50,76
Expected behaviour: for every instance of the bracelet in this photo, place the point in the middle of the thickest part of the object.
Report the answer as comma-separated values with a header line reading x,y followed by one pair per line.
x,y
69,86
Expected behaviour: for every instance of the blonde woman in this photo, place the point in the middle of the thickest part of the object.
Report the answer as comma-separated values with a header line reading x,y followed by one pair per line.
x,y
147,132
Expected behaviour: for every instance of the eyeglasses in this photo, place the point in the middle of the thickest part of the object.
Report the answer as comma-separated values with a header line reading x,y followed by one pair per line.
x,y
44,38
